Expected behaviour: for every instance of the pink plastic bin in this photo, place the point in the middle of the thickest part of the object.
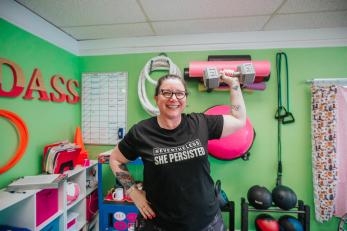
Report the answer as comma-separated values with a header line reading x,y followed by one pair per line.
x,y
46,204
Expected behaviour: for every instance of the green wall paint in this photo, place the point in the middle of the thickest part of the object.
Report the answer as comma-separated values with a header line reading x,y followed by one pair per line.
x,y
238,176
58,120
47,122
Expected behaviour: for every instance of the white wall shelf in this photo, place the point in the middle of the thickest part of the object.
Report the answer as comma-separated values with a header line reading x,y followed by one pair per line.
x,y
18,209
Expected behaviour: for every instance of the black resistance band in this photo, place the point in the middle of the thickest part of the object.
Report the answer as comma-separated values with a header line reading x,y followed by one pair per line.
x,y
283,115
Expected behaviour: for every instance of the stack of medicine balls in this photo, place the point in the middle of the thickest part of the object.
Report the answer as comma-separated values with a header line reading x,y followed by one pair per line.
x,y
282,196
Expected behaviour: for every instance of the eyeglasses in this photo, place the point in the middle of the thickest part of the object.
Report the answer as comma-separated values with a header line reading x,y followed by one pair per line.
x,y
168,94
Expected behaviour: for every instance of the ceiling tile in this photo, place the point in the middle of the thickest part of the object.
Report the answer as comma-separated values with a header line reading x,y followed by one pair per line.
x,y
294,6
109,31
202,9
86,12
98,19
210,26
308,21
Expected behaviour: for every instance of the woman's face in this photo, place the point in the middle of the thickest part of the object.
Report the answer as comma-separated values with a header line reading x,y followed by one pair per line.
x,y
171,107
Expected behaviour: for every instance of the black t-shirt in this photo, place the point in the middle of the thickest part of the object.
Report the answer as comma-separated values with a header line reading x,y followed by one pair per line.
x,y
177,177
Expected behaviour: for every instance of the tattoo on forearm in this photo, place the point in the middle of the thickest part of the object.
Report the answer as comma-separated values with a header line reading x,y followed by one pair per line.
x,y
124,177
236,87
123,167
235,107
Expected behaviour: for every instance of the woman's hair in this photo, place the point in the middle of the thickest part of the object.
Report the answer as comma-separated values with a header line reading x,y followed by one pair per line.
x,y
169,76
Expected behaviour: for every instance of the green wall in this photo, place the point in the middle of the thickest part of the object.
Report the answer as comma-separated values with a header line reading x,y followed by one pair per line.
x,y
238,176
49,122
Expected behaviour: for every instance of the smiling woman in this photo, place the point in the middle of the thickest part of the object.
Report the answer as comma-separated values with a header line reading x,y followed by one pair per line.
x,y
170,96
173,148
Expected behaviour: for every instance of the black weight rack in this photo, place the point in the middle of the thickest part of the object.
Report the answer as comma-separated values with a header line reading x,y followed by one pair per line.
x,y
302,211
230,208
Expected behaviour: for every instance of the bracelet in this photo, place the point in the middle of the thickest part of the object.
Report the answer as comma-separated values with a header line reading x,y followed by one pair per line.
x,y
130,190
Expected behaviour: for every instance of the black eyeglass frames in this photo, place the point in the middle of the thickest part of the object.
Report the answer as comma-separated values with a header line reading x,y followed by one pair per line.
x,y
168,93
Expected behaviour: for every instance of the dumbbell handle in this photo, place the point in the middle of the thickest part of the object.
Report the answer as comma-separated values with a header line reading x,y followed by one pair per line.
x,y
231,73
245,72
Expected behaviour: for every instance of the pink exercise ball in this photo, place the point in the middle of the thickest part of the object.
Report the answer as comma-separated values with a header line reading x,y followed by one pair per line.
x,y
235,145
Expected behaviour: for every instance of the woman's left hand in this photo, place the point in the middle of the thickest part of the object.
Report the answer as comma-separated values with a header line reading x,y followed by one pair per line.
x,y
140,200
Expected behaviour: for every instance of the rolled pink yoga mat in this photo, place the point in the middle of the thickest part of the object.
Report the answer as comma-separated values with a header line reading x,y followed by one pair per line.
x,y
196,68
255,86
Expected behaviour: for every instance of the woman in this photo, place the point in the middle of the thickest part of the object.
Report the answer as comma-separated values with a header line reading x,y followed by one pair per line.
x,y
178,191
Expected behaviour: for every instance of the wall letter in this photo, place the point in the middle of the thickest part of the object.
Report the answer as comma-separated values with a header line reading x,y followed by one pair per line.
x,y
61,94
73,91
36,84
18,79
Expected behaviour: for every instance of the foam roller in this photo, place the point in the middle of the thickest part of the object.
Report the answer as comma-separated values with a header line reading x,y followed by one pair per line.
x,y
196,68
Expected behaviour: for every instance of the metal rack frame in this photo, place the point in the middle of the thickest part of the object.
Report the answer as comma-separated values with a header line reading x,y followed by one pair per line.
x,y
302,211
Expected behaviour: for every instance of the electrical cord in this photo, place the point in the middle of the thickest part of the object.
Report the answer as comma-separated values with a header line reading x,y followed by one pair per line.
x,y
160,62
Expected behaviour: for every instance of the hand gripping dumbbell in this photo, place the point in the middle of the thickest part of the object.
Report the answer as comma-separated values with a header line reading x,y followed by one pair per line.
x,y
245,72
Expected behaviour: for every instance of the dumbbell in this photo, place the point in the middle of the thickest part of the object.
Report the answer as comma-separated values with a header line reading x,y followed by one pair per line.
x,y
245,72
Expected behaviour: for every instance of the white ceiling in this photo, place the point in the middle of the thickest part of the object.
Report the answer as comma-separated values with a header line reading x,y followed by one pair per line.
x,y
116,19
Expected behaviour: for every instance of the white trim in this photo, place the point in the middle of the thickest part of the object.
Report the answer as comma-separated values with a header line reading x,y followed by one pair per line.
x,y
18,15
25,19
332,37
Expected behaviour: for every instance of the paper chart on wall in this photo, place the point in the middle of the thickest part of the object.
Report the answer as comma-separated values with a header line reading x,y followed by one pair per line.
x,y
104,107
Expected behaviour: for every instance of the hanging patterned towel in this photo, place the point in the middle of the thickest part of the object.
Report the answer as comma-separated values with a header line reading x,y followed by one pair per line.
x,y
324,150
341,151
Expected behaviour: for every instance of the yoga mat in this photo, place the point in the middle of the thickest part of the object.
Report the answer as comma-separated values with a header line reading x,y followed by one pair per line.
x,y
262,68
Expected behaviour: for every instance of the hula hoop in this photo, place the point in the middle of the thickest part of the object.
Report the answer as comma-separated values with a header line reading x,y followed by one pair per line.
x,y
23,139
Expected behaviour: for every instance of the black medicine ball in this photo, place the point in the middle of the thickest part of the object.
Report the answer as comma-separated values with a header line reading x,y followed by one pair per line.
x,y
290,223
284,197
259,197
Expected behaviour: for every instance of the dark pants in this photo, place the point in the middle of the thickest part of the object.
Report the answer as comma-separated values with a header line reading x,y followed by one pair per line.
x,y
147,225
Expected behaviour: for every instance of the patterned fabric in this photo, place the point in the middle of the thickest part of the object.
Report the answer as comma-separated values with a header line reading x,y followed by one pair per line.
x,y
324,150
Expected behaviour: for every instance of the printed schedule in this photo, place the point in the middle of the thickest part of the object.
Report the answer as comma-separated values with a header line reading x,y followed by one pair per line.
x,y
104,107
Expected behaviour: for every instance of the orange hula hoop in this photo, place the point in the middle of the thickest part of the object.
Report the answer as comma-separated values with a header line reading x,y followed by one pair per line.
x,y
23,139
